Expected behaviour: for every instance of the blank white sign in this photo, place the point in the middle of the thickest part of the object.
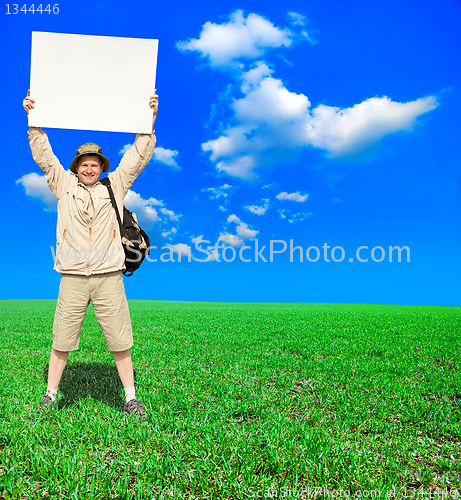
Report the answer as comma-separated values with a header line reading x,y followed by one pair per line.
x,y
90,82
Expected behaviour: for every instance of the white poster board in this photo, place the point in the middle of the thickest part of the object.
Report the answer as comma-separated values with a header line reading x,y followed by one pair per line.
x,y
90,82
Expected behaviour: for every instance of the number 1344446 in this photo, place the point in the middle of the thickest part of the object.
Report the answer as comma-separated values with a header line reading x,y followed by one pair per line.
x,y
14,8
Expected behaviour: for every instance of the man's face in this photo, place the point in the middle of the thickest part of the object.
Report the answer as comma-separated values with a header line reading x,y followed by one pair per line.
x,y
89,169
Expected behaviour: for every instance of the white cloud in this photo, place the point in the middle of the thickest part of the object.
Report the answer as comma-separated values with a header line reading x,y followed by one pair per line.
x,y
305,34
273,122
150,217
233,218
197,239
170,214
293,217
145,212
212,250
166,156
346,131
220,192
238,38
296,18
239,167
292,196
37,187
161,155
231,239
169,233
179,248
125,148
267,100
257,209
242,230
254,76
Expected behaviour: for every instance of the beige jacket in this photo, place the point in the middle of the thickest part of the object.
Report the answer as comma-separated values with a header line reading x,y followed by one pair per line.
x,y
87,234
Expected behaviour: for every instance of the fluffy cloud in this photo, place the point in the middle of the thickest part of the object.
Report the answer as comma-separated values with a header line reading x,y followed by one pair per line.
x,y
247,38
179,249
197,239
220,192
243,232
166,156
257,209
292,196
37,187
296,18
150,217
198,242
169,233
291,216
125,148
272,122
238,167
145,212
254,76
170,214
343,132
161,155
267,100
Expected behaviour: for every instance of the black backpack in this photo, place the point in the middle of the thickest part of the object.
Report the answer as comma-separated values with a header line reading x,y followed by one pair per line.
x,y
135,241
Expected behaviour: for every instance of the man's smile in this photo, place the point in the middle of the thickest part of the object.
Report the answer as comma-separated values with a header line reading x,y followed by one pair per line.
x,y
89,169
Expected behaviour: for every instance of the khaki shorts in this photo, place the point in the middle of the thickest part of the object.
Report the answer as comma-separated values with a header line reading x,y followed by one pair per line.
x,y
107,293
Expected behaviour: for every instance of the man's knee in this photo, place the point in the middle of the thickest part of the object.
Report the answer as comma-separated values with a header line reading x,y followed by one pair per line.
x,y
122,354
59,354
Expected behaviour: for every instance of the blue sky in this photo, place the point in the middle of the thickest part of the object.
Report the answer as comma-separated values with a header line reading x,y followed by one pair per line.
x,y
322,123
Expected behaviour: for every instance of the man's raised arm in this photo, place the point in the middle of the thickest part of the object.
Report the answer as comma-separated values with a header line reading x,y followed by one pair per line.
x,y
43,154
137,157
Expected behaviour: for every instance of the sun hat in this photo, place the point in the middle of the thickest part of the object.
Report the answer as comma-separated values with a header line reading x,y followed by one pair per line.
x,y
90,148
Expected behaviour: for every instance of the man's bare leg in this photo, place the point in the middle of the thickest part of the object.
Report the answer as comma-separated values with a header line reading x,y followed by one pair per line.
x,y
125,367
125,370
58,360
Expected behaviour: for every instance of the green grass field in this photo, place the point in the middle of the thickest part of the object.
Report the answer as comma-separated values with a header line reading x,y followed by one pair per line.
x,y
244,401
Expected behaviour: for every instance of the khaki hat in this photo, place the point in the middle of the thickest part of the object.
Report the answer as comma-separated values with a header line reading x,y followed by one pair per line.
x,y
90,148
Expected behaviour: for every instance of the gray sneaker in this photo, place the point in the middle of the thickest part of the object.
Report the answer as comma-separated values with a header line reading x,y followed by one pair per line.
x,y
134,407
46,405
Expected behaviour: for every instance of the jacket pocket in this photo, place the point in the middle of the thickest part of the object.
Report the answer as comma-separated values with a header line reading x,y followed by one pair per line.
x,y
61,236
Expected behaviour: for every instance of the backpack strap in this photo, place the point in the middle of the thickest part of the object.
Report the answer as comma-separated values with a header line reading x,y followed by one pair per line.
x,y
106,182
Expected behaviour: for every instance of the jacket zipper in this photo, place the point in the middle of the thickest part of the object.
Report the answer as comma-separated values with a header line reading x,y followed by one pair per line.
x,y
89,254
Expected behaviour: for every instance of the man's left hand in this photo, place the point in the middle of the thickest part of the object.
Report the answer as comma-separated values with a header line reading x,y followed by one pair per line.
x,y
153,103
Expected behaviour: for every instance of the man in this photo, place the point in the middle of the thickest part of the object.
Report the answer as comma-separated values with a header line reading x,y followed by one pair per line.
x,y
89,253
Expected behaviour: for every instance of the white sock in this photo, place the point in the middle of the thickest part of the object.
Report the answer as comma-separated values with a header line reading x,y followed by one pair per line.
x,y
52,393
129,394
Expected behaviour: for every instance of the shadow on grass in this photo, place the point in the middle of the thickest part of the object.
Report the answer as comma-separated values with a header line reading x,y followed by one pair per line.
x,y
89,380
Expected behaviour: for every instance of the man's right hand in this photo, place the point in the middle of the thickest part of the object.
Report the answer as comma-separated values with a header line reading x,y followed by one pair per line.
x,y
28,103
